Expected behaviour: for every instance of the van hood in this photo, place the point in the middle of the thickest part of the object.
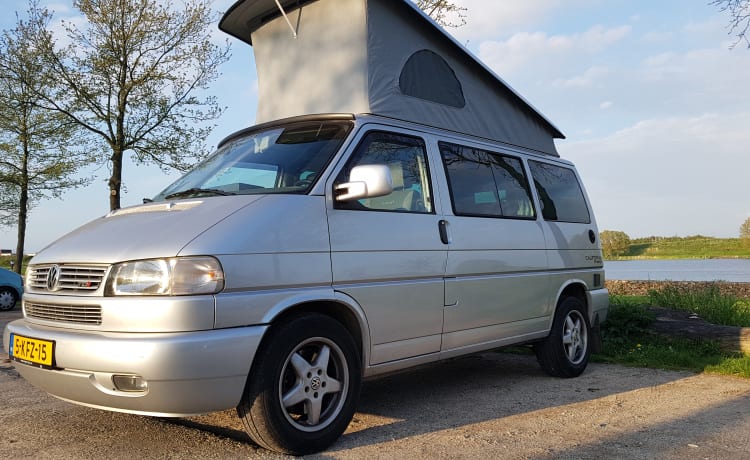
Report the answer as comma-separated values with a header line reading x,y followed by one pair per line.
x,y
143,232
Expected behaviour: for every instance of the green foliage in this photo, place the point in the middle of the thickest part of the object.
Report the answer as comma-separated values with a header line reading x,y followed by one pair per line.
x,y
664,353
627,340
627,322
690,247
5,263
738,366
745,230
614,243
707,301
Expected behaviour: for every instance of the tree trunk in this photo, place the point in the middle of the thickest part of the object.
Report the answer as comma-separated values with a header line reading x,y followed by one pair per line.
x,y
115,181
23,207
19,246
22,215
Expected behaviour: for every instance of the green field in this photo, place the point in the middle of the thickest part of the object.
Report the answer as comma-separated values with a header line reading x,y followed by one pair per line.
x,y
691,247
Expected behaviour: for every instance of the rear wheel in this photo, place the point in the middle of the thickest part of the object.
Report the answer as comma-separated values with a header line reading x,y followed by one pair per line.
x,y
304,387
565,352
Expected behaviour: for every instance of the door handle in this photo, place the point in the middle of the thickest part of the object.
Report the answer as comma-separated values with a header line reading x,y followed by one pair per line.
x,y
443,228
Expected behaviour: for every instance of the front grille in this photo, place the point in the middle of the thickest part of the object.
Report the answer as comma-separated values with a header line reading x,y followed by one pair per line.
x,y
77,314
69,278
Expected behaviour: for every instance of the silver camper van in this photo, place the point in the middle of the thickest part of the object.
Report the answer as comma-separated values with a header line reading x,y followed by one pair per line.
x,y
419,223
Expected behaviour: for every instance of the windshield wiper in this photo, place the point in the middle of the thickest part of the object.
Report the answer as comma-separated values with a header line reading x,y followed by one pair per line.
x,y
197,191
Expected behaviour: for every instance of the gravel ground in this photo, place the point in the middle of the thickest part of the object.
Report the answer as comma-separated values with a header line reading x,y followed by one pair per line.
x,y
492,405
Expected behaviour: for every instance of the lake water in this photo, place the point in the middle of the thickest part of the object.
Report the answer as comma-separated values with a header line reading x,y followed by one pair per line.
x,y
733,270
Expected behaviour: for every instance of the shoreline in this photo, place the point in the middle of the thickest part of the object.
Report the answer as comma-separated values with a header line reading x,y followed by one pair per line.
x,y
641,288
628,258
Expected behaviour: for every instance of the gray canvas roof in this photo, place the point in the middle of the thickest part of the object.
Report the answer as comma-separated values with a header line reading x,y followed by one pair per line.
x,y
384,57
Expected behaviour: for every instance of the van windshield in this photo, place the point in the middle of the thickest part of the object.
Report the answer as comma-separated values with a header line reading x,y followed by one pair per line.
x,y
285,159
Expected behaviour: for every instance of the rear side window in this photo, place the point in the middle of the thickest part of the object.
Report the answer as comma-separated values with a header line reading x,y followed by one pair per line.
x,y
486,184
560,194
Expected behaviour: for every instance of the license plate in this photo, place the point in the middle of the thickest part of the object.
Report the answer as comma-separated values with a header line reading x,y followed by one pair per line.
x,y
32,351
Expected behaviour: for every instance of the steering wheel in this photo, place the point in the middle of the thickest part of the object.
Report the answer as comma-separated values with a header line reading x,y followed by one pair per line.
x,y
307,181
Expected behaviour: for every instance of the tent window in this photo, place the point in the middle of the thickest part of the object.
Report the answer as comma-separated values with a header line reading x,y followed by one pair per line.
x,y
427,76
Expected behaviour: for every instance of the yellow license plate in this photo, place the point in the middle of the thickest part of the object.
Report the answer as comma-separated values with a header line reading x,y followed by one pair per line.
x,y
32,351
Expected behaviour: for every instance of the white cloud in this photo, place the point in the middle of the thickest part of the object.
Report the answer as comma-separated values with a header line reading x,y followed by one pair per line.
x,y
587,79
509,55
490,19
678,175
697,80
657,37
606,105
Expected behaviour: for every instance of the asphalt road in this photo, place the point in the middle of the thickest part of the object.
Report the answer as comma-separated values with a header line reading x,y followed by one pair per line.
x,y
493,405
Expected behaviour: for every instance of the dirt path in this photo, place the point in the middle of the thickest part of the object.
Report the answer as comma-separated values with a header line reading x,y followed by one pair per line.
x,y
492,405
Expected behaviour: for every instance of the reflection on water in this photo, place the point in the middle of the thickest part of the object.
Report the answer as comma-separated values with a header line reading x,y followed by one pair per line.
x,y
732,270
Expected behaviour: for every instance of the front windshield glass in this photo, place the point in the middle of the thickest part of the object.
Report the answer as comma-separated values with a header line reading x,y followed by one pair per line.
x,y
285,159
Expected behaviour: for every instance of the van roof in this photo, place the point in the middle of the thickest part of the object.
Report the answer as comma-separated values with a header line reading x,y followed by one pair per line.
x,y
383,57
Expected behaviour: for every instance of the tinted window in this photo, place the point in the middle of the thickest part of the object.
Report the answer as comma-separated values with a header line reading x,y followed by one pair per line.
x,y
406,158
485,183
560,194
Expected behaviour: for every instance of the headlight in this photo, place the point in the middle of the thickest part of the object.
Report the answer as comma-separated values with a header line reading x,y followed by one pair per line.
x,y
177,276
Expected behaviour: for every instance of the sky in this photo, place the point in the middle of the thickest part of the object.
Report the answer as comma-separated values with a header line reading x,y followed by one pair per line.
x,y
651,96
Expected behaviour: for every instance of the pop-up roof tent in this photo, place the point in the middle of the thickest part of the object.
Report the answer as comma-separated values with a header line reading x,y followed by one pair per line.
x,y
383,57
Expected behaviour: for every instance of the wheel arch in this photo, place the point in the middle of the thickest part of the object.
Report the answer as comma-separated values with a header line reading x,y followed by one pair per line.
x,y
341,308
12,288
574,288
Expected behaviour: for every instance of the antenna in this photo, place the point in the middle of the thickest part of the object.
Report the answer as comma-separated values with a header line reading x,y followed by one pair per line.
x,y
283,13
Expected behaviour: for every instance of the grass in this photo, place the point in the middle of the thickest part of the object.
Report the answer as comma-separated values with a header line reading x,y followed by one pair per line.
x,y
627,339
5,262
691,247
707,302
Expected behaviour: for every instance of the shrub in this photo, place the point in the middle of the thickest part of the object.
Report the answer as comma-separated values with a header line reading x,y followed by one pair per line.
x,y
614,243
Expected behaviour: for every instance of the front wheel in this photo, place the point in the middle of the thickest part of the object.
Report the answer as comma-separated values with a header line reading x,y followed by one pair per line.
x,y
304,386
565,352
8,299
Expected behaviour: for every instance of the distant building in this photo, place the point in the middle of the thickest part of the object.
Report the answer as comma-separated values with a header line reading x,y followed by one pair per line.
x,y
6,252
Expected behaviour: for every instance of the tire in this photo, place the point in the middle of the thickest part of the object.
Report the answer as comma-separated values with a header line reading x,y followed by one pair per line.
x,y
565,352
303,389
8,299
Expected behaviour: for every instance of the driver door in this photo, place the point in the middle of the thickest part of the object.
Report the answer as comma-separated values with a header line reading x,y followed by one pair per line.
x,y
386,252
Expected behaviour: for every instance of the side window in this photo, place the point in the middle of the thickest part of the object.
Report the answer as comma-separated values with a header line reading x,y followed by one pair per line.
x,y
560,194
406,157
486,184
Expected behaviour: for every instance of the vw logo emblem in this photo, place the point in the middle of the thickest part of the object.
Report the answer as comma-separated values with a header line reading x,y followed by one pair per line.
x,y
315,383
53,278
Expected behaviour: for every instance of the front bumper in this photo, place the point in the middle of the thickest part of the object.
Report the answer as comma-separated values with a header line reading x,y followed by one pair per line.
x,y
188,373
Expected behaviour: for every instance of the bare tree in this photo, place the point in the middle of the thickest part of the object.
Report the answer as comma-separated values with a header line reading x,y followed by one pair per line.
x,y
36,161
444,12
131,79
739,12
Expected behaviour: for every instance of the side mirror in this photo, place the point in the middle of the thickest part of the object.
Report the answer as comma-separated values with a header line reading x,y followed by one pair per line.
x,y
365,181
